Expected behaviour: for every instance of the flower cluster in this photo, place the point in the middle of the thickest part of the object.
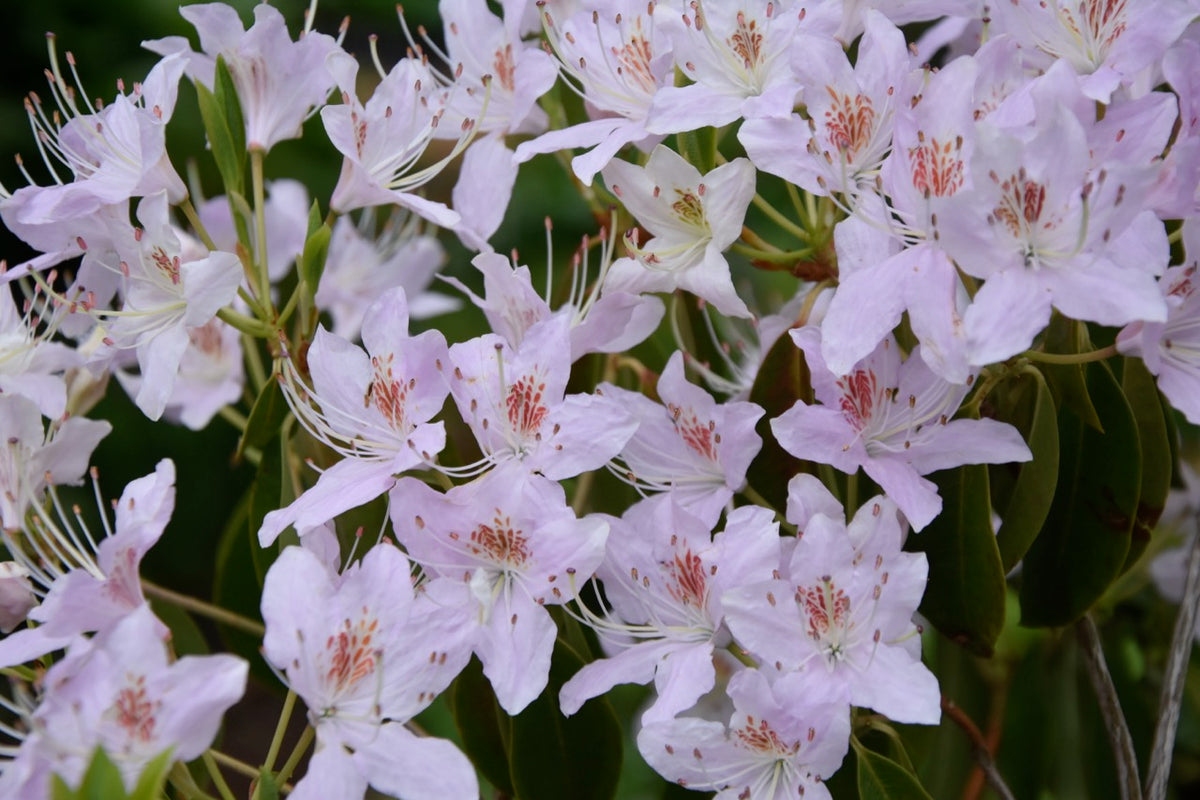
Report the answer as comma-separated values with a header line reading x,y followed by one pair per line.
x,y
868,242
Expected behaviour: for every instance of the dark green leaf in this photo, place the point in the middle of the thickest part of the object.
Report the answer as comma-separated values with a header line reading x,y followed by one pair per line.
x,y
153,778
266,495
483,726
235,587
226,131
553,756
186,638
1157,463
699,148
1067,336
266,417
880,778
1030,407
1085,540
964,598
781,381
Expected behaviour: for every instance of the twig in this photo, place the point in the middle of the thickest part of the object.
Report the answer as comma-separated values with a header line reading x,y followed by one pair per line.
x,y
1110,708
979,748
1172,690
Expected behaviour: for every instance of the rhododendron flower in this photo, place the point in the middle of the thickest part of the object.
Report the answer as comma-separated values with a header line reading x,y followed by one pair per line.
x,y
664,575
692,218
618,59
120,692
362,265
893,419
781,742
510,545
842,610
689,445
164,297
365,655
35,457
372,406
278,81
515,403
94,584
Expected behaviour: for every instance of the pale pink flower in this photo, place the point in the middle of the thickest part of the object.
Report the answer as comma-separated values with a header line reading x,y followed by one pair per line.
x,y
842,610
894,419
692,218
664,575
509,545
278,80
782,742
366,655
120,692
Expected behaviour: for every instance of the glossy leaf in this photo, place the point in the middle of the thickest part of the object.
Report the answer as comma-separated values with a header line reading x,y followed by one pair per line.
x,y
553,756
964,598
880,778
1157,463
782,380
225,127
266,417
1086,538
483,726
1068,380
1029,406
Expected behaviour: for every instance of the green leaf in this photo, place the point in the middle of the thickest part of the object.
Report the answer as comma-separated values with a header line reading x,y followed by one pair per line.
x,y
1157,462
1067,380
1086,538
880,778
483,726
153,778
699,148
964,598
268,789
186,638
270,409
312,261
266,495
223,122
101,781
553,756
1027,403
235,587
781,381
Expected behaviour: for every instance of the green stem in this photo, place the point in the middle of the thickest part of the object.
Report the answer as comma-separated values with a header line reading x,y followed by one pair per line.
x,y
778,218
1071,358
204,609
294,759
772,257
233,417
285,715
741,655
260,225
193,219
254,363
218,779
851,494
247,325
185,784
237,765
582,489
